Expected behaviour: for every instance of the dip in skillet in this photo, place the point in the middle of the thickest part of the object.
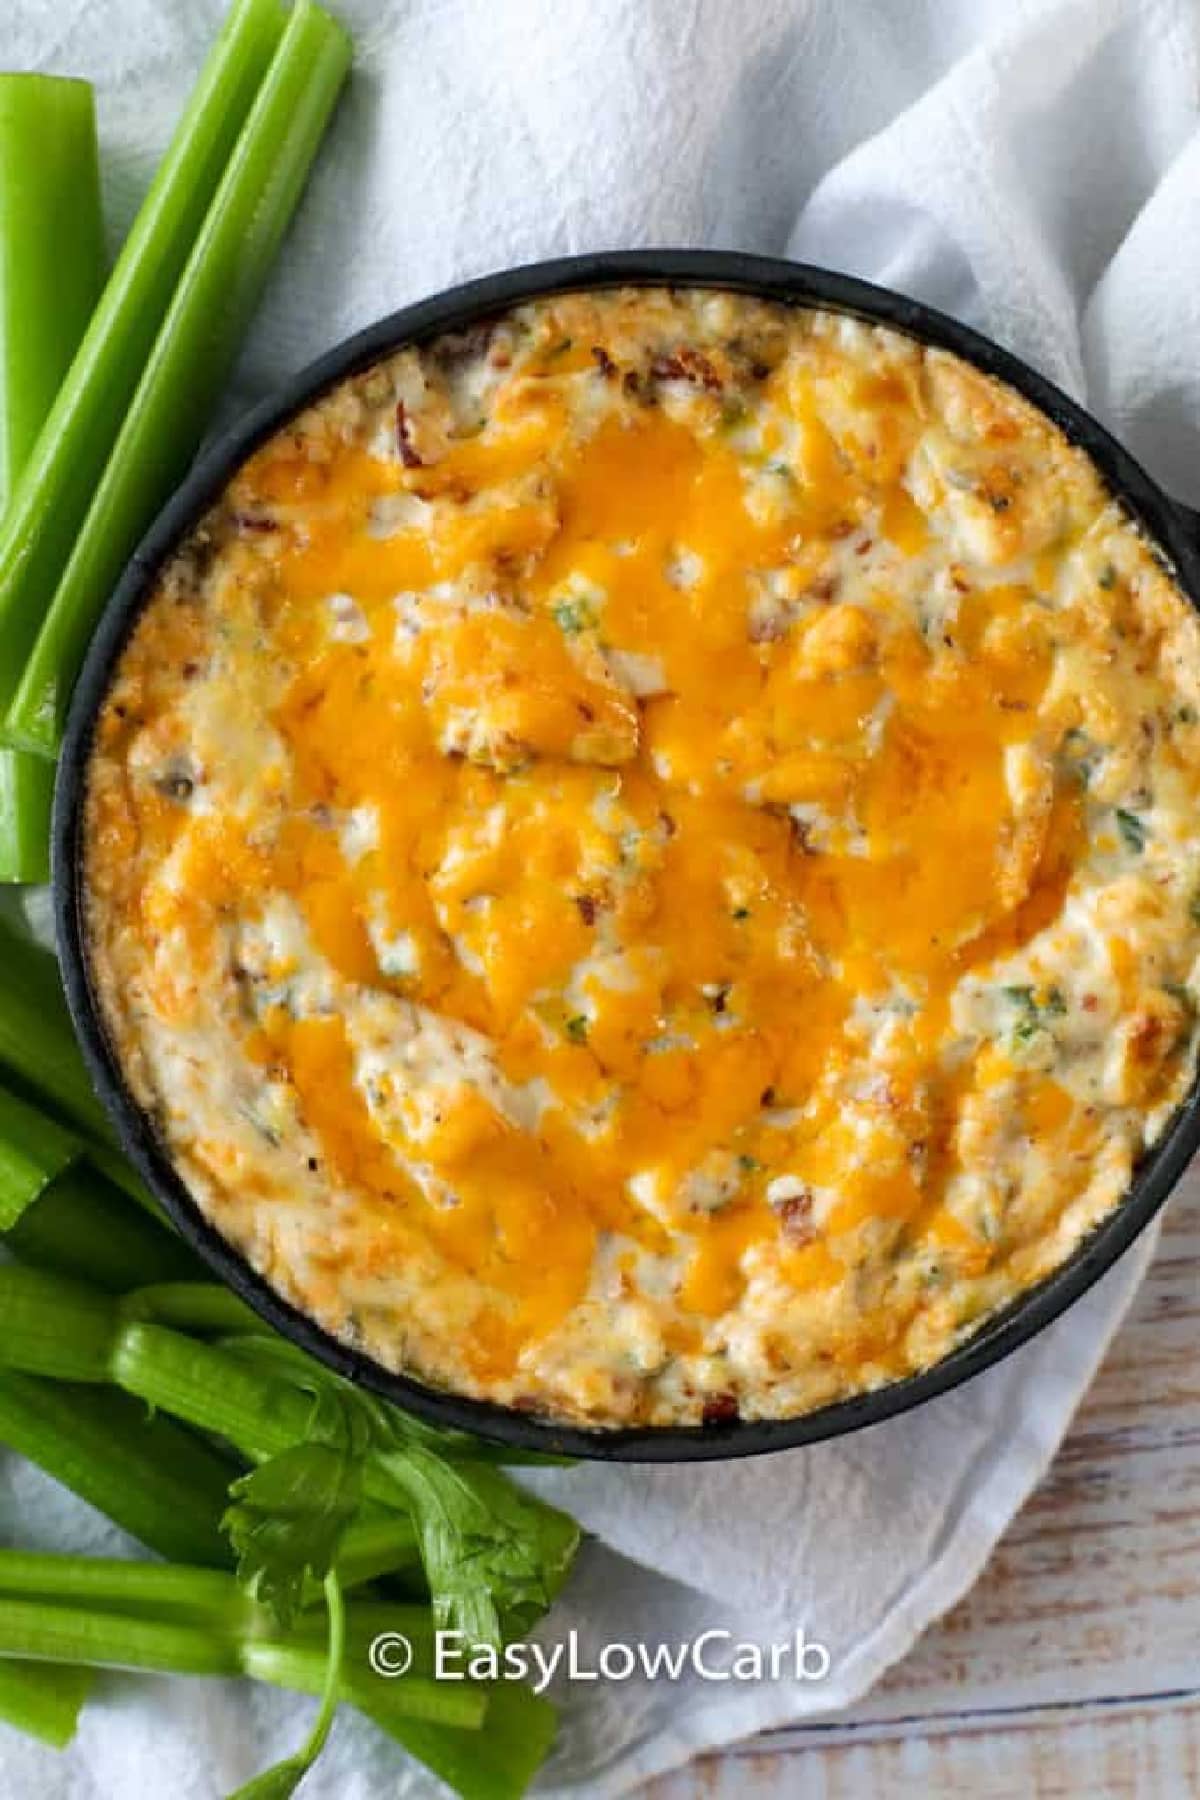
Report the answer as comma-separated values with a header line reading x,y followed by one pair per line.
x,y
643,858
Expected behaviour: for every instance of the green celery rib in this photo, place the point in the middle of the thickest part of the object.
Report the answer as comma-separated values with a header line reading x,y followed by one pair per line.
x,y
198,1305
61,476
111,1640
83,1227
497,1764
52,1326
191,356
51,250
411,1698
203,1385
44,1702
40,1056
37,1044
108,1613
33,1150
51,274
375,1545
26,798
156,1480
172,1593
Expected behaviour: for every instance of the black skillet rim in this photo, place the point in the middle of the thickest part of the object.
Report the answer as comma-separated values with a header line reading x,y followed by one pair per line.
x,y
1165,523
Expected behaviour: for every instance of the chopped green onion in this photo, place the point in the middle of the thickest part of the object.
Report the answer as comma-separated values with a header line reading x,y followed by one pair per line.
x,y
33,1150
51,274
191,357
68,460
1132,830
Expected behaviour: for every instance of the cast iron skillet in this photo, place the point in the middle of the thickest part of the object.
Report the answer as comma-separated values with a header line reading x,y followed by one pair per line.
x,y
1174,528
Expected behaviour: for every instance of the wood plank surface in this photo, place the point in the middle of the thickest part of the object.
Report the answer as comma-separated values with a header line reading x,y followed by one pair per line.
x,y
1073,1668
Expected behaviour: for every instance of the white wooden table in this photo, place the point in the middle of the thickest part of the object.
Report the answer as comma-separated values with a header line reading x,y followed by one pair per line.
x,y
1072,1671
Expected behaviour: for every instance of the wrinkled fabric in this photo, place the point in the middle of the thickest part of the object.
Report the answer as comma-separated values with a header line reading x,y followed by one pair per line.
x,y
1033,168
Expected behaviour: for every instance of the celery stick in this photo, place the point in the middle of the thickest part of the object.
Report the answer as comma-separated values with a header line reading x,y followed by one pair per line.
x,y
156,1480
203,1385
51,250
84,1227
111,1640
39,1055
190,359
51,273
173,1593
202,1306
26,796
500,1761
56,488
55,1327
174,1618
33,1150
375,1545
37,1044
43,1701
415,1698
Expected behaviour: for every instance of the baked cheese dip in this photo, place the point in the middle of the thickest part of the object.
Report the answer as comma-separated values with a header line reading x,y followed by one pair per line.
x,y
643,858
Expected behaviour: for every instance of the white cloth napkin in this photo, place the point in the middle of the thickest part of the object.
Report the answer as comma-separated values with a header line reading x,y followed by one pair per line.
x,y
1033,167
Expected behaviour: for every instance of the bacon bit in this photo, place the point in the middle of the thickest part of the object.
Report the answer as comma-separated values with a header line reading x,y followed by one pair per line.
x,y
668,824
768,628
801,837
604,362
587,908
404,443
824,588
958,580
585,711
1145,1038
687,365
1090,1002
796,1221
720,1409
861,549
759,371
841,528
245,521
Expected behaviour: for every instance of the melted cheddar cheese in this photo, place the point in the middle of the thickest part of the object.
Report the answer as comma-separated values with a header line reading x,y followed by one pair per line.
x,y
643,857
